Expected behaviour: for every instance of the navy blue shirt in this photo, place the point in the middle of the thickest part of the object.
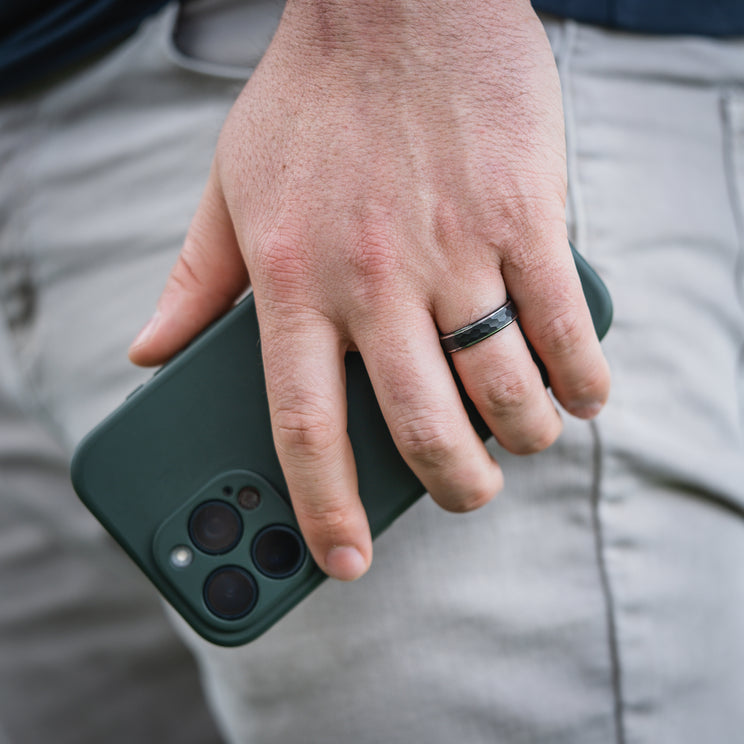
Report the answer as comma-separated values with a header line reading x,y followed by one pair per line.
x,y
700,17
43,37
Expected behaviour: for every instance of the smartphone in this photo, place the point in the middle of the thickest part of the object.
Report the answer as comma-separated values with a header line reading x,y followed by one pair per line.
x,y
185,477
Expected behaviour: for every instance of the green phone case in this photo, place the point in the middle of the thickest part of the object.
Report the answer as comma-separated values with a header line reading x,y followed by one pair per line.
x,y
199,432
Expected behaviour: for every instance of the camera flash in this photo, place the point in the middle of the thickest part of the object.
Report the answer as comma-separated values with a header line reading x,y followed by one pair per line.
x,y
181,556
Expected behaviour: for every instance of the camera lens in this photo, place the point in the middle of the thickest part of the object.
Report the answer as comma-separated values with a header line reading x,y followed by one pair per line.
x,y
215,527
249,498
230,592
278,551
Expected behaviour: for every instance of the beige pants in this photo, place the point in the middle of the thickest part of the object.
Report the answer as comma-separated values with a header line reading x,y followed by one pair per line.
x,y
600,599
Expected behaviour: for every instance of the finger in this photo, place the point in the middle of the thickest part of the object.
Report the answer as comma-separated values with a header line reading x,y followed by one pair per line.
x,y
305,378
207,278
424,412
498,373
555,318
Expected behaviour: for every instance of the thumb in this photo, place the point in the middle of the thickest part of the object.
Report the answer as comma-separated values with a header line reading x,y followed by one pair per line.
x,y
208,277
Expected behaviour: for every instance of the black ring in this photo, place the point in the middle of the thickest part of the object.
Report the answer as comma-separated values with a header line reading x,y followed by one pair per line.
x,y
479,330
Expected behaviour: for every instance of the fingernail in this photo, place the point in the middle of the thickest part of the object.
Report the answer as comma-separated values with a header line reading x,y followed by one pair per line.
x,y
144,335
345,563
586,410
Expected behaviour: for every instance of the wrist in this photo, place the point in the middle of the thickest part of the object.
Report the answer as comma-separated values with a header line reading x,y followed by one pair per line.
x,y
382,26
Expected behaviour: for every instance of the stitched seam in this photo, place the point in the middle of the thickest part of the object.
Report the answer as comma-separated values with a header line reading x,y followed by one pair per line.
x,y
606,584
736,199
732,185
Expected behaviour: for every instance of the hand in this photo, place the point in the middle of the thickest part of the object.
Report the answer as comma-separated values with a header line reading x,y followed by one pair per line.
x,y
392,169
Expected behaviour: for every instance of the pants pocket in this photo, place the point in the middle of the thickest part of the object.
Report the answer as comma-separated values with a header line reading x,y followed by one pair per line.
x,y
221,38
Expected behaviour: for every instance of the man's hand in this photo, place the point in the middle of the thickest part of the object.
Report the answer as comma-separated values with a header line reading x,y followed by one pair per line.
x,y
391,171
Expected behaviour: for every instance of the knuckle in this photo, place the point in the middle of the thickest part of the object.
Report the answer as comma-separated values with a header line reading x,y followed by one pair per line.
x,y
515,213
471,499
591,389
374,261
506,394
528,213
536,439
327,517
524,425
561,335
281,264
470,488
426,439
303,432
185,275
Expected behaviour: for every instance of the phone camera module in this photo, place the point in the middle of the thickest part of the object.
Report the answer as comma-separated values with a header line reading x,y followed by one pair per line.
x,y
230,592
215,527
278,551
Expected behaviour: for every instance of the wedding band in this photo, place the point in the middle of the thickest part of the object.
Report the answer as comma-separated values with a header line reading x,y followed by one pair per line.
x,y
479,330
